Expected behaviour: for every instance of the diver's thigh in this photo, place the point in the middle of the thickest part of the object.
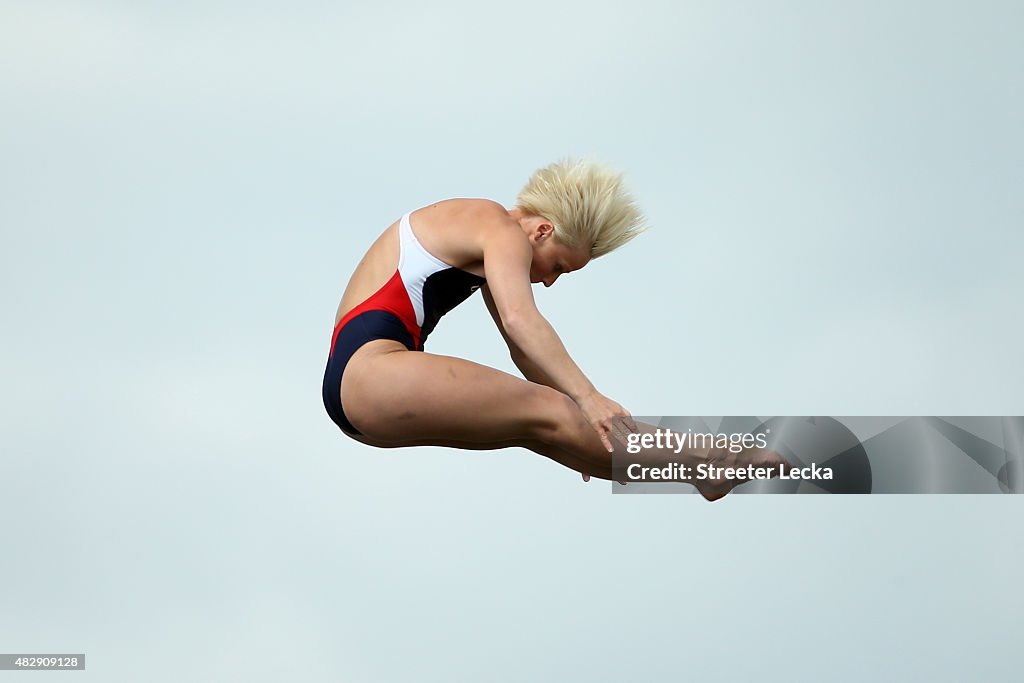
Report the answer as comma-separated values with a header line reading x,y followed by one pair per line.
x,y
403,396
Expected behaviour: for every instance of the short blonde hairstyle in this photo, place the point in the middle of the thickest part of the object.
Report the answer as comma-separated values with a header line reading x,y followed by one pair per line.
x,y
586,202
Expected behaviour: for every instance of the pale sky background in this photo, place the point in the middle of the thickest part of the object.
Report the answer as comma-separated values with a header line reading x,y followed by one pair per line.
x,y
835,190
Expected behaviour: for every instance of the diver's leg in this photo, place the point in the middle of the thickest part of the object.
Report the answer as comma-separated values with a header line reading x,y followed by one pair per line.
x,y
396,397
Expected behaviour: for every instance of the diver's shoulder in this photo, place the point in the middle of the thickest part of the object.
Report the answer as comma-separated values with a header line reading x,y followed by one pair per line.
x,y
476,206
469,212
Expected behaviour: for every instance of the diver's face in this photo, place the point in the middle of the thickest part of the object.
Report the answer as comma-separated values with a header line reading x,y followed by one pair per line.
x,y
552,259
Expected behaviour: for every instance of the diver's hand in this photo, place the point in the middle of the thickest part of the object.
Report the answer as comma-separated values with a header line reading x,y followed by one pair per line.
x,y
607,417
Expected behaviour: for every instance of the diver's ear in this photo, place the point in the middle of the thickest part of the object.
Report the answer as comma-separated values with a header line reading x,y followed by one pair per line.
x,y
545,229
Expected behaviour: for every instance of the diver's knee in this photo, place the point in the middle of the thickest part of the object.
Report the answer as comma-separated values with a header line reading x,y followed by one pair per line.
x,y
558,416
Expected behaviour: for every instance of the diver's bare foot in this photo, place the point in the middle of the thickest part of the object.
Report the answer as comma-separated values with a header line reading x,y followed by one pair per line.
x,y
728,470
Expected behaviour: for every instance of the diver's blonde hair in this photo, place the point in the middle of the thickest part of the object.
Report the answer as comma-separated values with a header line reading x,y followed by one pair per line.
x,y
586,202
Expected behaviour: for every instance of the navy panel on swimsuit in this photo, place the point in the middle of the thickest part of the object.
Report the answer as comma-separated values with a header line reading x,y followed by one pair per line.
x,y
363,328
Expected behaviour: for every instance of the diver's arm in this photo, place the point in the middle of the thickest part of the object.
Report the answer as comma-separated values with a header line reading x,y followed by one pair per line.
x,y
507,257
529,369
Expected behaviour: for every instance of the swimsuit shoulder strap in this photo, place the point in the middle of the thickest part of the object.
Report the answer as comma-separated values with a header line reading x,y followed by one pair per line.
x,y
409,243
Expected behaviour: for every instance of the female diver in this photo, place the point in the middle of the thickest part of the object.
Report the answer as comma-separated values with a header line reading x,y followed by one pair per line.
x,y
380,387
